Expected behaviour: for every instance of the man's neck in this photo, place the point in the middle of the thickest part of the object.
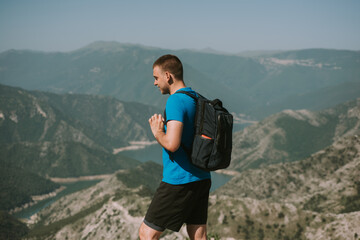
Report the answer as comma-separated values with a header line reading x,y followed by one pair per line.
x,y
176,86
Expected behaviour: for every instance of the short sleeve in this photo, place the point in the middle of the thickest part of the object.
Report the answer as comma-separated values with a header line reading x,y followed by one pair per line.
x,y
175,108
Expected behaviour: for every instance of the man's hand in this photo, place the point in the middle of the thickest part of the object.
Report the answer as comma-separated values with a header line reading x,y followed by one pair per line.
x,y
172,139
157,125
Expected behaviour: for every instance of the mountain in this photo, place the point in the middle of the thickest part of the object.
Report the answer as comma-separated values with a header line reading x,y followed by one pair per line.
x,y
112,209
11,228
293,135
95,121
315,198
257,86
18,185
68,135
62,159
46,135
315,100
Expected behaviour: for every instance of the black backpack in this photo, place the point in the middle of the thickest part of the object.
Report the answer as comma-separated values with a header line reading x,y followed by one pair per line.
x,y
212,145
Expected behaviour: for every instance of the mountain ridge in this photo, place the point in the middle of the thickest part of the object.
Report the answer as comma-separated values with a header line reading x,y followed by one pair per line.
x,y
314,198
257,86
293,135
95,117
46,135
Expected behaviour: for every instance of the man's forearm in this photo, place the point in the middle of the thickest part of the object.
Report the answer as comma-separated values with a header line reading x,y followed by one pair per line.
x,y
165,141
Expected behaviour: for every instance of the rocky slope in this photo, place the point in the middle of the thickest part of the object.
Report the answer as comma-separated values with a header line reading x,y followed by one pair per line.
x,y
50,135
69,135
293,135
95,121
315,198
112,209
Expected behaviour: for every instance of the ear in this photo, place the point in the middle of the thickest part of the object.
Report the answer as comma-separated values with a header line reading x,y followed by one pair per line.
x,y
169,77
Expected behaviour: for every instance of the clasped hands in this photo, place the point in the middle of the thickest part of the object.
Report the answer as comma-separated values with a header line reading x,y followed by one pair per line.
x,y
157,125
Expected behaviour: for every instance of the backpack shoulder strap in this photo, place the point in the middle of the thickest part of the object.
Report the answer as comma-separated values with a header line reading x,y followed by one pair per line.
x,y
189,94
188,151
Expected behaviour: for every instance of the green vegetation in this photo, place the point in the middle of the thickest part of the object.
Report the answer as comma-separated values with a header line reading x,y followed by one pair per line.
x,y
45,134
302,138
11,228
213,236
352,203
255,227
314,203
17,185
150,172
96,121
40,230
300,198
72,159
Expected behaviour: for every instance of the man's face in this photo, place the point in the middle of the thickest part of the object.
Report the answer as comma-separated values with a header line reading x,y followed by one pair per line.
x,y
161,80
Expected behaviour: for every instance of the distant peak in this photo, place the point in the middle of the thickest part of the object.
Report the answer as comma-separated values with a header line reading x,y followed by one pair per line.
x,y
111,46
106,45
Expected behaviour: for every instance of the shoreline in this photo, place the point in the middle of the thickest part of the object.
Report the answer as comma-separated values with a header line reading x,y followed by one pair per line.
x,y
37,198
227,172
81,178
134,145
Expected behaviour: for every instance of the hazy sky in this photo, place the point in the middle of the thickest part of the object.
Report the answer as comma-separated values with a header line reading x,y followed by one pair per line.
x,y
230,26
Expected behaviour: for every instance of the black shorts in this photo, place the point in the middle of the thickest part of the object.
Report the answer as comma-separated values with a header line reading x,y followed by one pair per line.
x,y
174,205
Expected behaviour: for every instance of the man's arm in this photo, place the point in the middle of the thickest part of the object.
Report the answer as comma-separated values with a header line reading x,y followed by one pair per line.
x,y
170,140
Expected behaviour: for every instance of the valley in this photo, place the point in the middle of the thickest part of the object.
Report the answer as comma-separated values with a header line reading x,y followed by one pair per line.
x,y
316,197
80,120
281,201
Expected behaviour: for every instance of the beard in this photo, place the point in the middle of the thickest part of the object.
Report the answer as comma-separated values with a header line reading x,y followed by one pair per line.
x,y
164,91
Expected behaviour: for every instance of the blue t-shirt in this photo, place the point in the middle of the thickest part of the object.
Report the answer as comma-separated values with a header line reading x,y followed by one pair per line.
x,y
182,108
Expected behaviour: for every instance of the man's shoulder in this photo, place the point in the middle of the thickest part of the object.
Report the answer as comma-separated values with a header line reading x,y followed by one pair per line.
x,y
187,89
182,95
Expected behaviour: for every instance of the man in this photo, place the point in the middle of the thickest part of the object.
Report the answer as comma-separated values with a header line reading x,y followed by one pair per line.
x,y
183,194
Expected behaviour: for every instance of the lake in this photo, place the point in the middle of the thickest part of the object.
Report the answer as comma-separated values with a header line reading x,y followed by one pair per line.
x,y
151,153
70,188
154,153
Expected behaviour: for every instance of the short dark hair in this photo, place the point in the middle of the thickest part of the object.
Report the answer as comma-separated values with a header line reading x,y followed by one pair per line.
x,y
170,63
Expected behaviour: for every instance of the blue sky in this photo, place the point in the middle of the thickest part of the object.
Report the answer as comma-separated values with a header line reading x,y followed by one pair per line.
x,y
228,26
